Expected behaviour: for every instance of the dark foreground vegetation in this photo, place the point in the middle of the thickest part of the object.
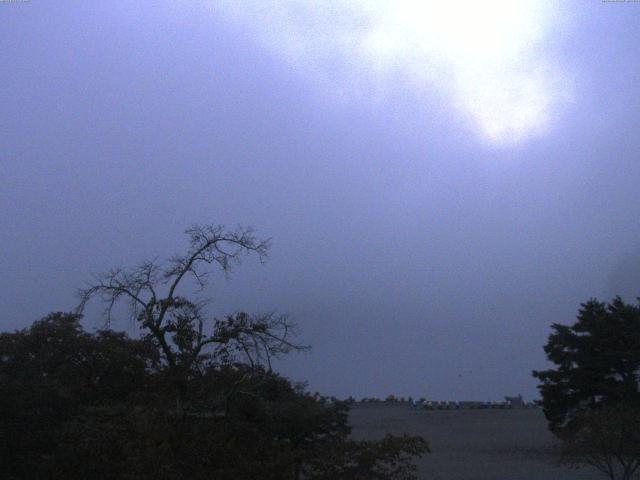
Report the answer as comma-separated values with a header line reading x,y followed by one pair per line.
x,y
191,398
195,397
591,398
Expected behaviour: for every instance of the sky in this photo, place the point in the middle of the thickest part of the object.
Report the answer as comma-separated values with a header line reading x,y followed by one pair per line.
x,y
440,184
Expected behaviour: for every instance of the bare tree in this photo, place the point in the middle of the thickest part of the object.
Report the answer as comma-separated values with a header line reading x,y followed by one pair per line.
x,y
156,295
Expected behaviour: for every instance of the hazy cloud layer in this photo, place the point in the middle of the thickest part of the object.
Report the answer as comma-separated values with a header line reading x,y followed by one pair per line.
x,y
494,60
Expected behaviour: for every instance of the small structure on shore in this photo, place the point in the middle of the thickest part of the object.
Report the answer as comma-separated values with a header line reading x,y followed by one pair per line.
x,y
515,402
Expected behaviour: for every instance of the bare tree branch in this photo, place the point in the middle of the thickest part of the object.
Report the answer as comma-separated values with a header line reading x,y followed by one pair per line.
x,y
177,324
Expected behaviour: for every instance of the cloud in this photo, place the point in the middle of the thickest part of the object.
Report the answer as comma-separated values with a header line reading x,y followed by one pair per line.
x,y
491,58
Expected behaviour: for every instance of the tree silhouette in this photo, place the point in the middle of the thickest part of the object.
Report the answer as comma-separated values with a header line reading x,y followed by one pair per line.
x,y
591,398
194,398
597,361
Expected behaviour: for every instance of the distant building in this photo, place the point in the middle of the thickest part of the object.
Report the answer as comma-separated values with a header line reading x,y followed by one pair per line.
x,y
515,402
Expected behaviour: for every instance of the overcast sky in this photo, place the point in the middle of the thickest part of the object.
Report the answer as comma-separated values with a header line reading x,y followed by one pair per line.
x,y
440,184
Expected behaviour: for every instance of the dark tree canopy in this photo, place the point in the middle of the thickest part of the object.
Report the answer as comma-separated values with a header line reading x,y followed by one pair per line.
x,y
597,361
193,398
76,405
48,374
591,398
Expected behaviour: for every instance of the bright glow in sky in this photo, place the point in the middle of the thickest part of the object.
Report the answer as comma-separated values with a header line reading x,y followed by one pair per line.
x,y
490,58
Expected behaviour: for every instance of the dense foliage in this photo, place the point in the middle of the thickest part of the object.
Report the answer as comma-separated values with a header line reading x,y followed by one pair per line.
x,y
591,398
597,362
193,398
101,406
